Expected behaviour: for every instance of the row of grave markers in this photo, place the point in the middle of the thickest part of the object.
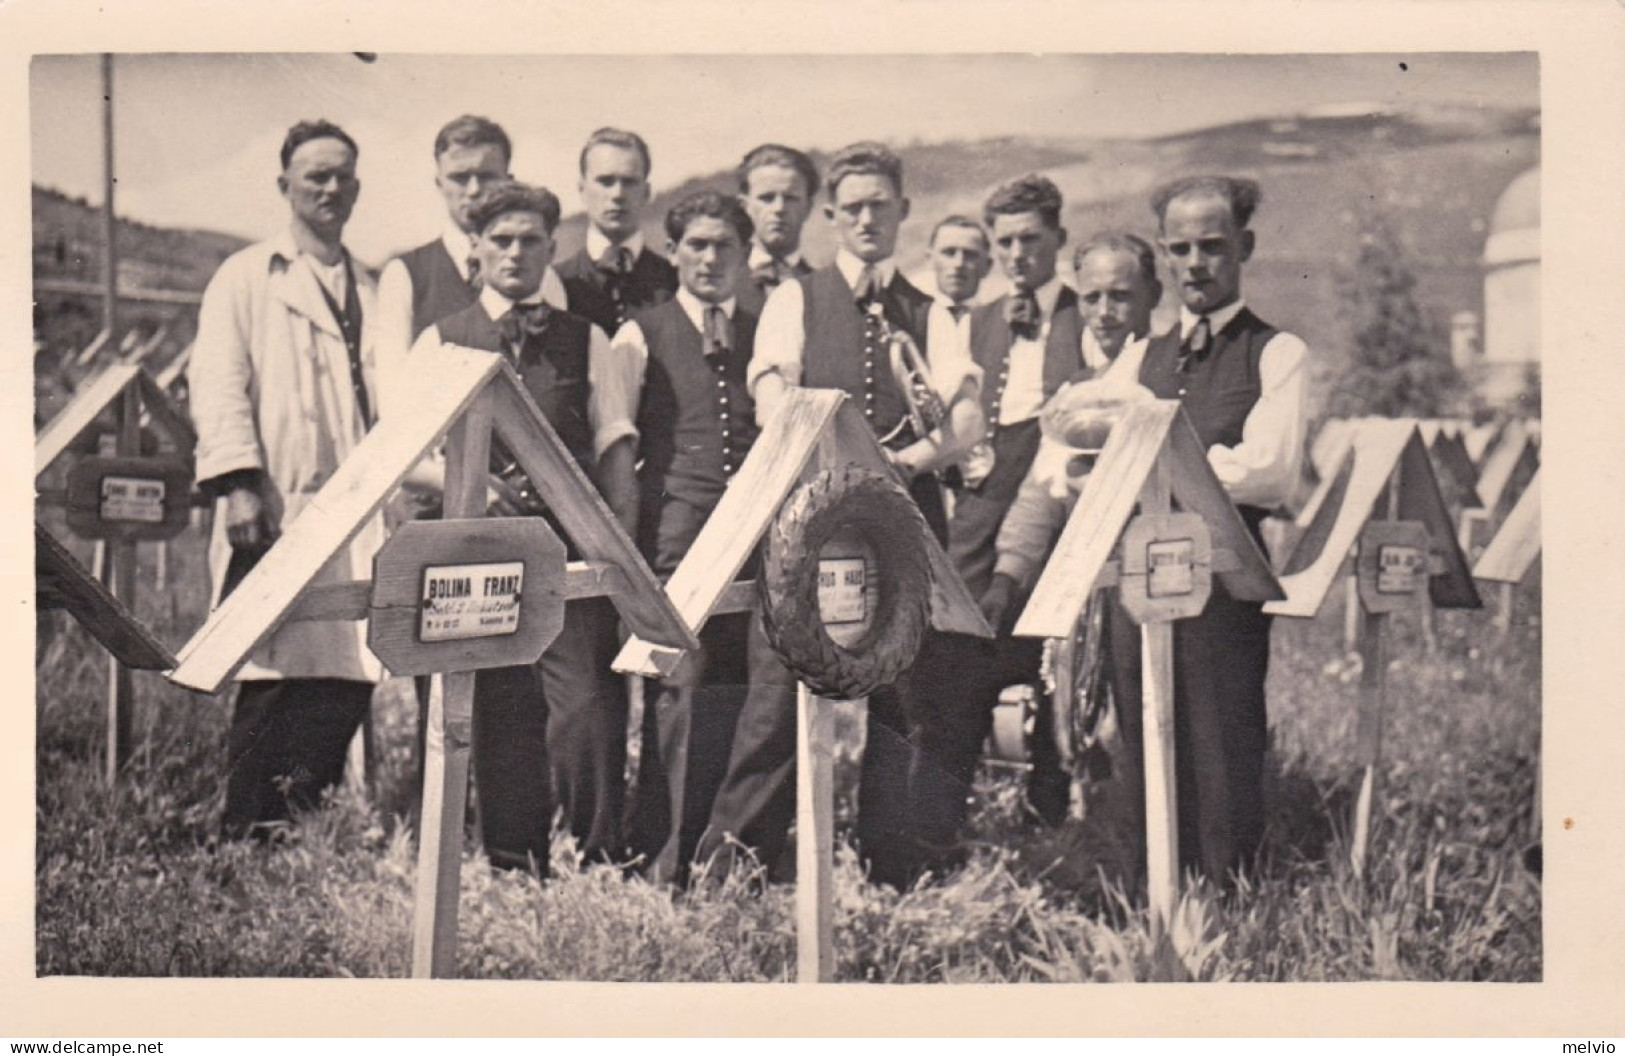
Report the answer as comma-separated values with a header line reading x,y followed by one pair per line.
x,y
448,598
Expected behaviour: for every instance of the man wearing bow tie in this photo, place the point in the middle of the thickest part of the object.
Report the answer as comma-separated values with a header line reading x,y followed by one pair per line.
x,y
614,274
776,184
719,736
828,330
563,718
426,284
1241,382
1028,343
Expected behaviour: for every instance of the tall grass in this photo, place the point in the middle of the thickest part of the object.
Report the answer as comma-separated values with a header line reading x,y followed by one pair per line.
x,y
131,881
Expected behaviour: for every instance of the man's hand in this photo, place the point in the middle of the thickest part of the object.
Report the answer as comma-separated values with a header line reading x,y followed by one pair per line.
x,y
246,525
995,603
902,469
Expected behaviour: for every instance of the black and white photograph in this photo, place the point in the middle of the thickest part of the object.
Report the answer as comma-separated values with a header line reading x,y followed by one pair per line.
x,y
873,516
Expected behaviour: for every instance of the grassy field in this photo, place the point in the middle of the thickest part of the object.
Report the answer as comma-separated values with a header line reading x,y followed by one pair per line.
x,y
130,881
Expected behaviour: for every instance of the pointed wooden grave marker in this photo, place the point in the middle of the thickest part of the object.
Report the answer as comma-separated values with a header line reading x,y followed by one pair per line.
x,y
61,582
120,499
1161,563
812,430
1513,552
433,586
1384,508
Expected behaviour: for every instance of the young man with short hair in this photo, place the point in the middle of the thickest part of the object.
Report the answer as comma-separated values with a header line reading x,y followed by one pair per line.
x,y
829,330
960,260
554,731
776,185
614,274
719,737
1241,382
424,285
1027,343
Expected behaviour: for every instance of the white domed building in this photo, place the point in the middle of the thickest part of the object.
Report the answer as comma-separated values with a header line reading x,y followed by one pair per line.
x,y
1510,360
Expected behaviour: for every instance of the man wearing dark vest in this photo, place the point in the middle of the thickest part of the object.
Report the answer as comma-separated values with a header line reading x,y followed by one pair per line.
x,y
1241,381
614,275
828,330
776,184
426,284
718,737
564,717
1028,343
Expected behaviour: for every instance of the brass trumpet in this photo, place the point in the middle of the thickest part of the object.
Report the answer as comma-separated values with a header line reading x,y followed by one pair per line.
x,y
912,372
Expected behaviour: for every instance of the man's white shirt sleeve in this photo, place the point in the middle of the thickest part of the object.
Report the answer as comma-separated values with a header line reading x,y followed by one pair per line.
x,y
780,339
1262,469
618,388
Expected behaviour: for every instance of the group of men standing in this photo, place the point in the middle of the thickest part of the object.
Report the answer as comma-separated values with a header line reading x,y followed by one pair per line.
x,y
657,373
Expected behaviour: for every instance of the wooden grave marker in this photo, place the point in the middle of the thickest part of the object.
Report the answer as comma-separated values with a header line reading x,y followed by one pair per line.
x,y
1513,552
1384,508
61,582
120,499
1161,562
1507,469
433,583
812,430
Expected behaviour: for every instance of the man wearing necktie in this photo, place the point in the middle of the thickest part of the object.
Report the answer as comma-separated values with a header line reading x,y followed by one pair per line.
x,y
1241,382
430,282
1028,343
283,388
776,184
614,274
553,732
828,330
959,262
719,735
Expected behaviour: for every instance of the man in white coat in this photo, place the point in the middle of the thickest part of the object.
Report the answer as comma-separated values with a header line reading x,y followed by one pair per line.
x,y
282,387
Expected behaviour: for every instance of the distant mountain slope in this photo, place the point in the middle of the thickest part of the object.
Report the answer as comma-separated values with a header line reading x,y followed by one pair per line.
x,y
1434,174
68,245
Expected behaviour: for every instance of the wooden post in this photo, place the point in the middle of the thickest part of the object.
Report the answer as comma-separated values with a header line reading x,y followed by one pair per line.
x,y
1157,680
1503,607
1373,705
450,732
119,570
815,837
1351,614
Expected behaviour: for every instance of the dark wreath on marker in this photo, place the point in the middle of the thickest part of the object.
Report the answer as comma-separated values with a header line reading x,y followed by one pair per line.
x,y
874,509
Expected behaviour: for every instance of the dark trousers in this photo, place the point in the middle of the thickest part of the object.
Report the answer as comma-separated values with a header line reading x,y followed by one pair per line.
x,y
717,772
924,743
972,544
552,736
1221,660
287,745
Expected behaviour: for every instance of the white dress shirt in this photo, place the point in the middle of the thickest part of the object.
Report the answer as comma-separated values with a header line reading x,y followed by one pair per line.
x,y
947,338
759,256
598,243
1023,395
392,327
622,378
781,339
496,306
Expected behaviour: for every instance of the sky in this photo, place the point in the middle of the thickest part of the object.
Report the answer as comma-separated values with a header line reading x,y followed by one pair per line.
x,y
196,136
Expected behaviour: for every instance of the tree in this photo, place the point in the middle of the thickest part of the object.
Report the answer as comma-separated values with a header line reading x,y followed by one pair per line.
x,y
1399,364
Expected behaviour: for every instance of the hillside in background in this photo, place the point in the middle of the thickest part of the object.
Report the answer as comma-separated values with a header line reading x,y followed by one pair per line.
x,y
1432,173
